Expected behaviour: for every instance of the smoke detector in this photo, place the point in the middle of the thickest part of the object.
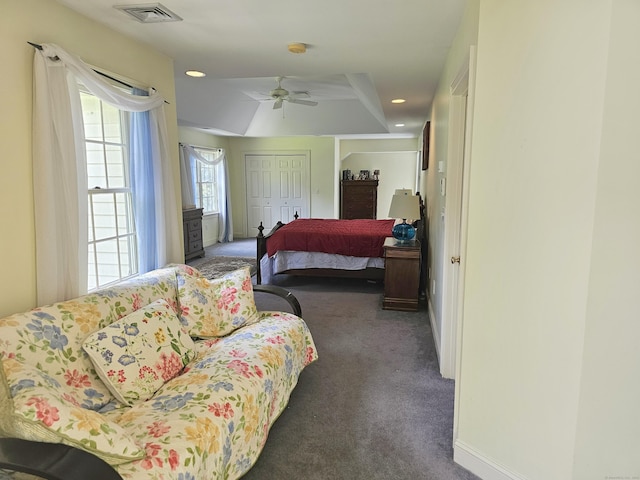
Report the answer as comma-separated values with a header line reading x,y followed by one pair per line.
x,y
297,47
149,12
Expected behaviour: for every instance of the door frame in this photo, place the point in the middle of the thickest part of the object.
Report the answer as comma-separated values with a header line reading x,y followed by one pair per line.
x,y
462,91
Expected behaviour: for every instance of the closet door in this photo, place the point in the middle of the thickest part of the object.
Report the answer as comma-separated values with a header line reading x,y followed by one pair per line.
x,y
277,188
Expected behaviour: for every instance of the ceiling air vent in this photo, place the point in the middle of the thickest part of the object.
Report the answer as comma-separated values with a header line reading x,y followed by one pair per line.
x,y
149,12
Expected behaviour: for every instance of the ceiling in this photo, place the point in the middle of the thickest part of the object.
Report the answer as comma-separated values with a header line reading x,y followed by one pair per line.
x,y
360,55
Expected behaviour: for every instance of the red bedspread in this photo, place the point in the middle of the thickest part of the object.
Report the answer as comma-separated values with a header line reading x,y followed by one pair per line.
x,y
356,238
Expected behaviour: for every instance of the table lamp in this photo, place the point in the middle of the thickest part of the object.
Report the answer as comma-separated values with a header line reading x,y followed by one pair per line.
x,y
404,205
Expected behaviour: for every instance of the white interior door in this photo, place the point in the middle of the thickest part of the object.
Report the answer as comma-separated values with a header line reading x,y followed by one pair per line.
x,y
277,188
456,206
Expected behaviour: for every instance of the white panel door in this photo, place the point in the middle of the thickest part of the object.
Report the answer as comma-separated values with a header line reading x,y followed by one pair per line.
x,y
292,177
277,188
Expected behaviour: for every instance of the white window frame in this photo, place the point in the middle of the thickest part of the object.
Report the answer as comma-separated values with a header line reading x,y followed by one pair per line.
x,y
214,171
124,232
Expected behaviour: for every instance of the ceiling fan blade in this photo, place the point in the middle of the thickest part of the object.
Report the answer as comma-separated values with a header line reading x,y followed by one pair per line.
x,y
303,102
277,104
299,94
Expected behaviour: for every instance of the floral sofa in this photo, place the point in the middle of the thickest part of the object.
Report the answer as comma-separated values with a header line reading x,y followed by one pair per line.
x,y
164,376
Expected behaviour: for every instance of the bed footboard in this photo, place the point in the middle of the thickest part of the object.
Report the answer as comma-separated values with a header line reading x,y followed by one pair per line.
x,y
261,246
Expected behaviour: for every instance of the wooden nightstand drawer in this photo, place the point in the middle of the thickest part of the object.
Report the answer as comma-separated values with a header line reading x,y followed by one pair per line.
x,y
401,275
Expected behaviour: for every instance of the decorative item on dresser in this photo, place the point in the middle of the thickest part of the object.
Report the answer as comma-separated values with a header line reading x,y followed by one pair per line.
x,y
358,199
192,227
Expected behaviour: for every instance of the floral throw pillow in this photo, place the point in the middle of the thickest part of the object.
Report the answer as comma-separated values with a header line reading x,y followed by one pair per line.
x,y
215,308
34,406
137,354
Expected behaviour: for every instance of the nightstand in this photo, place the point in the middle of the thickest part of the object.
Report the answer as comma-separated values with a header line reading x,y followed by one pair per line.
x,y
401,275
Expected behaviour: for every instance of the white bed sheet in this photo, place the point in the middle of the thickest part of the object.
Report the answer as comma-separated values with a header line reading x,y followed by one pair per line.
x,y
289,260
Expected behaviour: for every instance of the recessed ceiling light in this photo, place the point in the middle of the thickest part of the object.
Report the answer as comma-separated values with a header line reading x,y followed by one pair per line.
x,y
195,73
399,124
398,100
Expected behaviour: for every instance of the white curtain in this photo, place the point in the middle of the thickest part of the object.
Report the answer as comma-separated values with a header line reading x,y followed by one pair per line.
x,y
59,172
188,156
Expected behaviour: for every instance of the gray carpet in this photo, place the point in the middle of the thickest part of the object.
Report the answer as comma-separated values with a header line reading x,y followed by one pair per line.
x,y
374,405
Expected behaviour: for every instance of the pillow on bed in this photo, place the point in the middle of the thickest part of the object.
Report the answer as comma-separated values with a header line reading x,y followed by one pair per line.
x,y
137,354
215,308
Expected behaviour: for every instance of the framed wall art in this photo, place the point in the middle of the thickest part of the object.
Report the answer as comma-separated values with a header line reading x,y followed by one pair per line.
x,y
425,145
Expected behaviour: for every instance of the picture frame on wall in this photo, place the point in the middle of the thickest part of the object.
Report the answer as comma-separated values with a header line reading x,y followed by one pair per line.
x,y
425,145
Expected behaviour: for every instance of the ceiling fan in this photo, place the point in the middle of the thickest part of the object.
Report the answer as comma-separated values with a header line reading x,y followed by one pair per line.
x,y
280,95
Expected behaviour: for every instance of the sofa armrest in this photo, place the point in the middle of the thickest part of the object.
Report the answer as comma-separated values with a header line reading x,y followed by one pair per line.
x,y
53,461
282,293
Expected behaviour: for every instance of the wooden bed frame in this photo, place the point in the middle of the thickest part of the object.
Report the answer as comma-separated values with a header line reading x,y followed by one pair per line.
x,y
376,274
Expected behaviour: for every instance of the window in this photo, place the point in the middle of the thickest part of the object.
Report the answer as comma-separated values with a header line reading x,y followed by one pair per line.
x,y
206,182
112,235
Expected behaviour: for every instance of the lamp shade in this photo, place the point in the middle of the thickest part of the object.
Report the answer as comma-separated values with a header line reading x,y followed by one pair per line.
x,y
405,206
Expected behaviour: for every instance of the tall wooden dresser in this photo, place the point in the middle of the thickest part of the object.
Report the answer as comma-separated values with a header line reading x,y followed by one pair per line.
x,y
192,228
358,199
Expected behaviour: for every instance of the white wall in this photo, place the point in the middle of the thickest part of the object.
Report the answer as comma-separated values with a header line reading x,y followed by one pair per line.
x,y
395,158
549,386
44,21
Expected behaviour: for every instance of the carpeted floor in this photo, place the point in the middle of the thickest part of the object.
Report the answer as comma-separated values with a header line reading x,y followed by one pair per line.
x,y
374,405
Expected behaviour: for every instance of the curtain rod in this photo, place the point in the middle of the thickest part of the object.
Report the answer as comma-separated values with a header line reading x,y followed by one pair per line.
x,y
201,147
39,47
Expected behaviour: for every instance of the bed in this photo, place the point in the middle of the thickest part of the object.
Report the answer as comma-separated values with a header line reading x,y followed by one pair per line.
x,y
323,247
326,247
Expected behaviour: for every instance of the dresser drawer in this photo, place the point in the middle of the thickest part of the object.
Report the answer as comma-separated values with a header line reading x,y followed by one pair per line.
x,y
195,225
195,245
192,227
195,235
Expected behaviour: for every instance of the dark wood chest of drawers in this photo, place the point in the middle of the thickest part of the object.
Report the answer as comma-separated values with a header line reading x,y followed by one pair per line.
x,y
358,199
192,227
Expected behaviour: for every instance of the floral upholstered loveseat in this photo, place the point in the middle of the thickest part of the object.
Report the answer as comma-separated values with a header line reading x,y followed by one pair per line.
x,y
164,376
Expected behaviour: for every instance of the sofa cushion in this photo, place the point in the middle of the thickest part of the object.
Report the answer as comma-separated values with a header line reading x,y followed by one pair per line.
x,y
139,353
33,406
215,308
212,421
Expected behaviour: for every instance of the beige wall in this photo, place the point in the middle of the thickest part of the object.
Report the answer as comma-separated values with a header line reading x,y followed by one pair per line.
x,y
199,138
45,21
439,154
395,158
322,175
607,440
548,384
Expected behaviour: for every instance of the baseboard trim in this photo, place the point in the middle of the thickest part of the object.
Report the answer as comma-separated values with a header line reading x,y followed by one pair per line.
x,y
434,327
480,465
